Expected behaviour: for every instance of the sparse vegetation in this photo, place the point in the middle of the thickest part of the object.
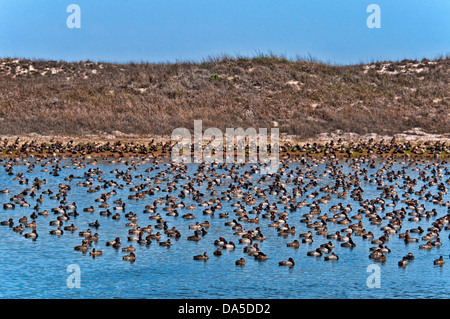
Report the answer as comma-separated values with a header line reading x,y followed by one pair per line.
x,y
305,98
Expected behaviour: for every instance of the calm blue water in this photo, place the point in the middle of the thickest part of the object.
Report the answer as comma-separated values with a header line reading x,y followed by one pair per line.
x,y
38,269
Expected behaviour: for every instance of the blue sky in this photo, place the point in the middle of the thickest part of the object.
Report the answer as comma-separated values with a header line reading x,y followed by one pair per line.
x,y
190,30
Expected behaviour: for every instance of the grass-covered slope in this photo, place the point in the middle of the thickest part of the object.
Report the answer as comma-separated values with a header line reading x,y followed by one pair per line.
x,y
305,98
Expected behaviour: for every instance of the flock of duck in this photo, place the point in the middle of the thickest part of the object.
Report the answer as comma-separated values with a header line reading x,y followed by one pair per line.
x,y
294,202
370,147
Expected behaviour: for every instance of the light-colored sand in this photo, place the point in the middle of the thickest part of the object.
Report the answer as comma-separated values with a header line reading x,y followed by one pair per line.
x,y
414,136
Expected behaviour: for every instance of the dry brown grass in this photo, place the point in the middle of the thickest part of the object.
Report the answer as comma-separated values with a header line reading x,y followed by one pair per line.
x,y
305,98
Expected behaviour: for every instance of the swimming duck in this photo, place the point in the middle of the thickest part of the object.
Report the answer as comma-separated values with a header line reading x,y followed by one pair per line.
x,y
203,257
71,228
288,263
375,254
247,239
147,229
176,234
23,220
409,239
260,256
437,242
308,239
349,243
430,235
128,249
19,228
410,256
92,238
130,257
220,242
167,243
83,247
156,236
144,241
229,246
205,224
57,232
294,244
314,253
95,253
194,237
201,232
259,237
89,209
32,235
417,230
240,262
195,227
403,262
114,243
251,249
334,236
439,261
381,258
331,257
369,235
8,222
427,246
8,206
121,207
57,222
44,213
136,231
95,224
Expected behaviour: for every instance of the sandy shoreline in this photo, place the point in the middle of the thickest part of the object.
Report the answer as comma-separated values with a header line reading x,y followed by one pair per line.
x,y
415,135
